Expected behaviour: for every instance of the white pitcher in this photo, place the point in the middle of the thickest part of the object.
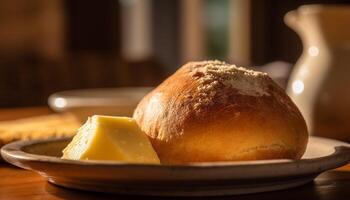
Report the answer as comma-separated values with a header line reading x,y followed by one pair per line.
x,y
320,81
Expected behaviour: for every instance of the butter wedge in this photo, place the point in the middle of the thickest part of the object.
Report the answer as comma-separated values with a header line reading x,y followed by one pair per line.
x,y
111,138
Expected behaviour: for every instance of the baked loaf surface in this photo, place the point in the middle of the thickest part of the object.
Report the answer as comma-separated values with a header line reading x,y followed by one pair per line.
x,y
212,111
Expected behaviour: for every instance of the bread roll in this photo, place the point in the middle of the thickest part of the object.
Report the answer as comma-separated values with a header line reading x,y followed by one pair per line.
x,y
212,111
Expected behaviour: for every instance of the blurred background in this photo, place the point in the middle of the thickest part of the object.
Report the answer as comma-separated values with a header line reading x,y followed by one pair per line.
x,y
49,46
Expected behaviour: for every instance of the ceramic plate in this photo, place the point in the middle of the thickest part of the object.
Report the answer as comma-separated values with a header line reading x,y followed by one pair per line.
x,y
224,178
106,101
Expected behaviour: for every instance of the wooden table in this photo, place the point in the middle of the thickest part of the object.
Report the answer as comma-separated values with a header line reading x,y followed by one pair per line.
x,y
17,183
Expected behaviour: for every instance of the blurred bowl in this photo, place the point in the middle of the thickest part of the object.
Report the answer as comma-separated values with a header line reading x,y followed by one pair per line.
x,y
101,101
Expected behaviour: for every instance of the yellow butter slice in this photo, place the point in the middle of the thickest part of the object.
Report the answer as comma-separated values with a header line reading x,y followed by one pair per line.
x,y
111,138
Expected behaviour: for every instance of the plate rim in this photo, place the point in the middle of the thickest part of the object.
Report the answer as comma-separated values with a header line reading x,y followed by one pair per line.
x,y
15,150
264,176
73,101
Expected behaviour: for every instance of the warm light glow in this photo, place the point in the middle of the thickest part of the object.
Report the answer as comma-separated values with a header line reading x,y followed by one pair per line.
x,y
304,71
60,102
313,51
298,86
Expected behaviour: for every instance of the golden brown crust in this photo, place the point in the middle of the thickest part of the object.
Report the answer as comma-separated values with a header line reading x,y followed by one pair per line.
x,y
212,111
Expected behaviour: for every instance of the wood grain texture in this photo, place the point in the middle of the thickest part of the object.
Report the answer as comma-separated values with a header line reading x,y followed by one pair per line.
x,y
16,113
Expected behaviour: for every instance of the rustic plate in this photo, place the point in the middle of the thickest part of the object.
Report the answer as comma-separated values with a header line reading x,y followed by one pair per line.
x,y
120,101
224,178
